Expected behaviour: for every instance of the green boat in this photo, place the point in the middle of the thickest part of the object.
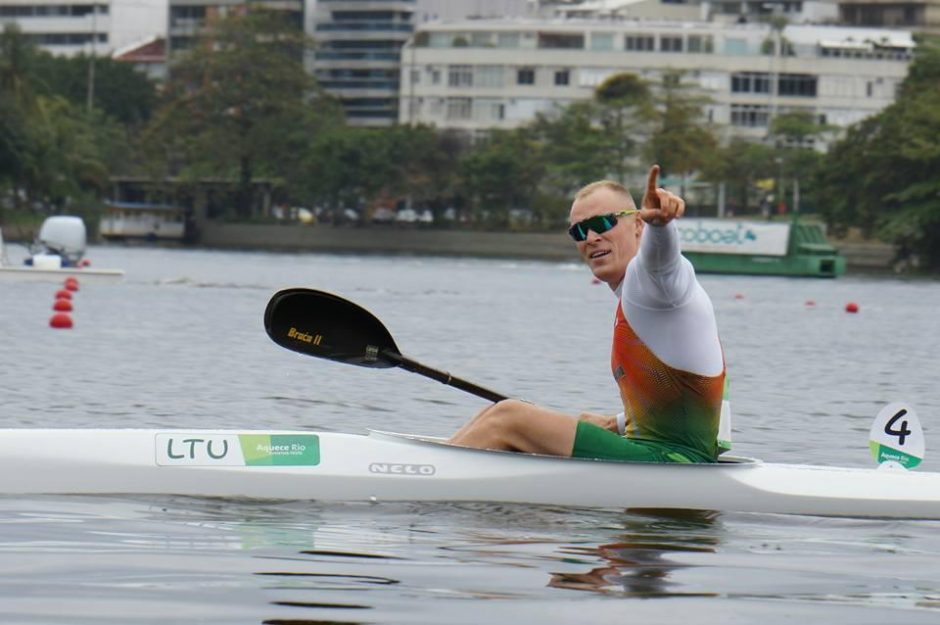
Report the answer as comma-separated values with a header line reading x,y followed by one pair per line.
x,y
759,248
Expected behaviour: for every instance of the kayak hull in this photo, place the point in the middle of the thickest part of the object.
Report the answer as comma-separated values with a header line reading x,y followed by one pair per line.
x,y
382,466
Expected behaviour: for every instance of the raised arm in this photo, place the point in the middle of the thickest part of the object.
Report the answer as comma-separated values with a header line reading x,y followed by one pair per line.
x,y
661,297
661,277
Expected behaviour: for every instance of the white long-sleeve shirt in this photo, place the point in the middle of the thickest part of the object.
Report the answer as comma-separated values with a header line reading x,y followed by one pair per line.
x,y
667,307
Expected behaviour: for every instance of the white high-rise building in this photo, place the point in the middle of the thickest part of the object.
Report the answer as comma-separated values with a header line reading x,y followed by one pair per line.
x,y
71,27
478,75
358,58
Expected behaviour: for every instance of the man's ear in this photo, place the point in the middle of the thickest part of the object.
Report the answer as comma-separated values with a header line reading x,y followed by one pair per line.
x,y
640,224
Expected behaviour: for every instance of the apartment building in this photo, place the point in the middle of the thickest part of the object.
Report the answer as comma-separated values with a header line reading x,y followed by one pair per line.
x,y
477,75
918,15
69,27
358,55
358,58
188,18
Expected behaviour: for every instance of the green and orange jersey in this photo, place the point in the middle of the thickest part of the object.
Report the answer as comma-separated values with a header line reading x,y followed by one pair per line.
x,y
662,403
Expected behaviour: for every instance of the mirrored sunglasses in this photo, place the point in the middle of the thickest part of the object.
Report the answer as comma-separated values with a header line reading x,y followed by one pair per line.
x,y
599,224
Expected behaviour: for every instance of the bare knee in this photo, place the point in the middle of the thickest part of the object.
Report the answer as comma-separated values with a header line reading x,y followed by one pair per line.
x,y
506,416
495,427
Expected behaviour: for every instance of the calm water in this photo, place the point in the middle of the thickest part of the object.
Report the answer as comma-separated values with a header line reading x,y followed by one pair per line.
x,y
180,344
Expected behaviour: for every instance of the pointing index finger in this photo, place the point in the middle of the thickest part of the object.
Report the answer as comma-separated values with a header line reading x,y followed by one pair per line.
x,y
652,180
651,197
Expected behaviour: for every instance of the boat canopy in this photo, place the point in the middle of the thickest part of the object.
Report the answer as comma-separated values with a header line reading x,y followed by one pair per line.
x,y
63,235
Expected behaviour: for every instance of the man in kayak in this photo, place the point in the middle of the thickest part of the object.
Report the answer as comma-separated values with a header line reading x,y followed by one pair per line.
x,y
666,357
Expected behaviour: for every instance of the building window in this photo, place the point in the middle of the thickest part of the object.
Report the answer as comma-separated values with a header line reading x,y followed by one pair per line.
x,y
489,110
562,77
460,76
440,40
797,85
640,43
735,47
415,77
750,115
459,108
869,89
435,75
750,82
507,40
602,41
562,41
670,44
525,76
489,76
699,43
481,40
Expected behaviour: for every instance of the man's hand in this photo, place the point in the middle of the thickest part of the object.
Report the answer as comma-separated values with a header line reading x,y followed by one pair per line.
x,y
659,206
604,421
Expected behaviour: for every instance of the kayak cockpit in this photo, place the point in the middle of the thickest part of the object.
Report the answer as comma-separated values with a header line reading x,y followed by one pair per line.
x,y
438,441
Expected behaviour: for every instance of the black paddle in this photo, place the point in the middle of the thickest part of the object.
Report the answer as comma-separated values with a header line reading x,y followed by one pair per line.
x,y
327,326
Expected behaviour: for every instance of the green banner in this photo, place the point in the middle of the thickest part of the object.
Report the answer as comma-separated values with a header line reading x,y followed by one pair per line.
x,y
280,449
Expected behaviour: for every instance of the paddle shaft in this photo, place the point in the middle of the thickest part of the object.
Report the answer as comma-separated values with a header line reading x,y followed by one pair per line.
x,y
441,376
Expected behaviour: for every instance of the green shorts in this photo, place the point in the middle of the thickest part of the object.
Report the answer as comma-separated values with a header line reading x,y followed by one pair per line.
x,y
591,441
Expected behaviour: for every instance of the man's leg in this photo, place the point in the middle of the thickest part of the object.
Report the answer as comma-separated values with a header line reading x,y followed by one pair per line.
x,y
515,425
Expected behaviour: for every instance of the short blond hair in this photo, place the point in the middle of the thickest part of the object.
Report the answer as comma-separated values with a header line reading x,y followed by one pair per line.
x,y
612,185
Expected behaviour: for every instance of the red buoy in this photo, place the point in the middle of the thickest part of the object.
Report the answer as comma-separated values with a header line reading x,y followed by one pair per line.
x,y
71,286
851,307
62,305
63,294
810,302
739,296
60,320
84,262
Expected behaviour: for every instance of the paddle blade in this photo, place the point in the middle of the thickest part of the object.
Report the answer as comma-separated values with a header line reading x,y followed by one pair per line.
x,y
327,326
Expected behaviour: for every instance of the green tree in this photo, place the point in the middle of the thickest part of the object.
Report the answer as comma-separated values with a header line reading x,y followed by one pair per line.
x,y
17,101
120,91
71,155
740,165
501,173
356,165
575,149
53,155
882,177
351,165
795,134
681,142
624,109
423,168
18,58
241,106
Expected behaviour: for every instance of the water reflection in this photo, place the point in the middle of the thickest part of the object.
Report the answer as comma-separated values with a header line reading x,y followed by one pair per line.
x,y
640,562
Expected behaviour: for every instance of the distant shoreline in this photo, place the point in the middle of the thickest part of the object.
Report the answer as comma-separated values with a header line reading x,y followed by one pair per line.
x,y
389,240
859,255
871,256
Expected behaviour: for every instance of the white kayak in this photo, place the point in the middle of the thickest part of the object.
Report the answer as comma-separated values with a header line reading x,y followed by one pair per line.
x,y
383,466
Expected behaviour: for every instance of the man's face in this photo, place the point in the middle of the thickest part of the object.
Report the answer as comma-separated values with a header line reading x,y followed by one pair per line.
x,y
607,254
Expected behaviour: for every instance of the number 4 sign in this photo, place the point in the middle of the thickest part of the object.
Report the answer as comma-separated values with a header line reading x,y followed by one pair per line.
x,y
896,438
